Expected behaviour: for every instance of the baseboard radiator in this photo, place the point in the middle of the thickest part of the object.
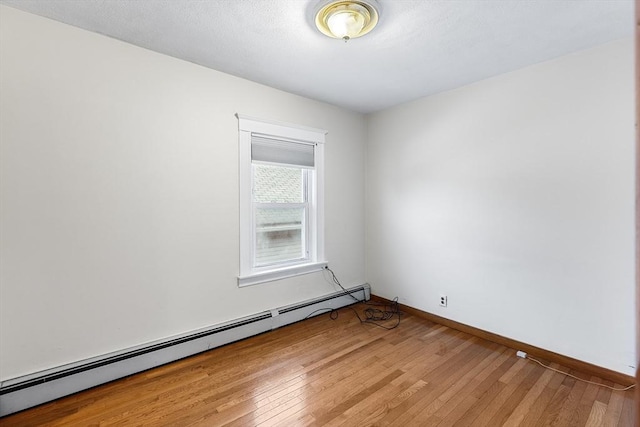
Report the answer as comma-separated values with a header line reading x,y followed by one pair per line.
x,y
31,390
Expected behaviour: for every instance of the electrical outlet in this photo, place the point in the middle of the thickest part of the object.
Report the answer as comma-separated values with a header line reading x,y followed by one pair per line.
x,y
443,300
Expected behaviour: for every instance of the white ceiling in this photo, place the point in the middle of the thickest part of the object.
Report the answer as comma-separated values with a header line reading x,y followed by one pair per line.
x,y
419,48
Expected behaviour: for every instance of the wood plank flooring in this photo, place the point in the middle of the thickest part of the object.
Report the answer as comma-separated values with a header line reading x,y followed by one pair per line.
x,y
323,372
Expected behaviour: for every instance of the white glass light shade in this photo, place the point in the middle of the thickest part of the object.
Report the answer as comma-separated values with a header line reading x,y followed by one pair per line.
x,y
346,22
346,19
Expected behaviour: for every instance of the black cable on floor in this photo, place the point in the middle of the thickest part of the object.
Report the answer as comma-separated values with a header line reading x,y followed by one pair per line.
x,y
372,314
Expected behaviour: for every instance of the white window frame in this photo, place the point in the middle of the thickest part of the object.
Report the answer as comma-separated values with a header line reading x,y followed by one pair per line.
x,y
315,261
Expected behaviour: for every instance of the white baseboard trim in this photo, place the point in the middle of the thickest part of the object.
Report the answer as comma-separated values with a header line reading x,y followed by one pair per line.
x,y
27,391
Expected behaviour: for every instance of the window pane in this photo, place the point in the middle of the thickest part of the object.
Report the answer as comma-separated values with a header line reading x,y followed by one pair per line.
x,y
277,184
279,235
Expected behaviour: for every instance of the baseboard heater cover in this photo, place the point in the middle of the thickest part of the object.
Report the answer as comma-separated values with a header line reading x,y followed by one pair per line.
x,y
31,390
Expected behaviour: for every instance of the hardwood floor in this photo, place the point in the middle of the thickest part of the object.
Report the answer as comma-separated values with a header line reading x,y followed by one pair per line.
x,y
339,372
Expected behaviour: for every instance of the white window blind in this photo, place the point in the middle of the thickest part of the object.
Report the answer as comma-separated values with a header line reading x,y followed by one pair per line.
x,y
293,153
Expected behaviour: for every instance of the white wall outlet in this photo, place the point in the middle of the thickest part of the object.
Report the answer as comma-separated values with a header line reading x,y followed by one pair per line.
x,y
443,300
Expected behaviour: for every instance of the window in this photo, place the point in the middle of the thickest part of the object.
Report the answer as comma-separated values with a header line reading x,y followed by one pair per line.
x,y
281,200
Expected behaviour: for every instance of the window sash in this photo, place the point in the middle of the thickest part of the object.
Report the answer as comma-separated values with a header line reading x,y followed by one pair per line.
x,y
305,234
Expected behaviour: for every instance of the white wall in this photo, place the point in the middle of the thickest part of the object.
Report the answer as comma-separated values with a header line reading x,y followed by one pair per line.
x,y
119,195
514,196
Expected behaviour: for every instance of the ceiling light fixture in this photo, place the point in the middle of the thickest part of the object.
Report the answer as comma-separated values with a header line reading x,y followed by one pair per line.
x,y
347,19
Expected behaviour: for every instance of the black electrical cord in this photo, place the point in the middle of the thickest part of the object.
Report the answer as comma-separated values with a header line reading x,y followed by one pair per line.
x,y
371,315
333,313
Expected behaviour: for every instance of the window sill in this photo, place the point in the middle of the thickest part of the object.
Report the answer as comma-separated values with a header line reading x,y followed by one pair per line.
x,y
282,273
